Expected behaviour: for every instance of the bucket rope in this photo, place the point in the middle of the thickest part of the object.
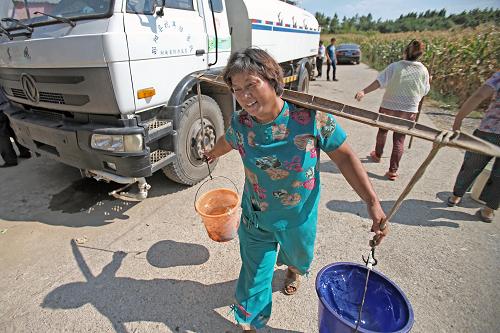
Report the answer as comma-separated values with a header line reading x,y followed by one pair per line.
x,y
370,262
202,123
441,140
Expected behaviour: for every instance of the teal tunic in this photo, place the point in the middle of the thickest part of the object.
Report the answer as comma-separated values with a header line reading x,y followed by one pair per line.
x,y
280,198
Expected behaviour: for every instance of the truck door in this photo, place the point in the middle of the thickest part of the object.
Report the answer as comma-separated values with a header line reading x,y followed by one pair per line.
x,y
163,49
222,26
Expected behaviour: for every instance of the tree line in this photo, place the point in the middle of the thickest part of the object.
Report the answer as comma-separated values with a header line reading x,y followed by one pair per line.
x,y
426,21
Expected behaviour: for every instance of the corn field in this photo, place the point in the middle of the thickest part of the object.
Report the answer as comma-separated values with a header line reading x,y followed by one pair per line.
x,y
459,61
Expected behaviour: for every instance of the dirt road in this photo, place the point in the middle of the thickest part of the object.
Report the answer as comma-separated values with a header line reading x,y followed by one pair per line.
x,y
149,267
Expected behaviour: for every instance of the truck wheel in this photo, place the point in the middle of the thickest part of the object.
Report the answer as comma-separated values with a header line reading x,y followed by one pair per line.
x,y
303,85
188,167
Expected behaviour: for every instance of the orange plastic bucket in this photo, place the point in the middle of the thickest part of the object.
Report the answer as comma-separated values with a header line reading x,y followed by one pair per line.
x,y
219,211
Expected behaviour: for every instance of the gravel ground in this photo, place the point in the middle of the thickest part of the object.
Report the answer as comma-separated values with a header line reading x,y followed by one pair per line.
x,y
150,267
444,118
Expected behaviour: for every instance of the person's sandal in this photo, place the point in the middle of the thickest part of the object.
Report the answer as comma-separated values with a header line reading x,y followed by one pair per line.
x,y
292,284
391,175
485,218
374,157
451,203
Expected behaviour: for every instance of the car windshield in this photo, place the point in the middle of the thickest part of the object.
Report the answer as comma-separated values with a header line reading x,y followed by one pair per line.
x,y
348,47
24,10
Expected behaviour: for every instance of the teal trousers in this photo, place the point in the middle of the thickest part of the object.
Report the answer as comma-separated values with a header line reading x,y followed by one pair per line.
x,y
259,254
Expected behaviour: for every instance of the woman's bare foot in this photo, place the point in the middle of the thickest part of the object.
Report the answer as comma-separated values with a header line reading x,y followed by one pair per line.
x,y
248,328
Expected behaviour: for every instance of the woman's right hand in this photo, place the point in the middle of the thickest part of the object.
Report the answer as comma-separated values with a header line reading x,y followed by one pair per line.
x,y
221,148
209,156
359,95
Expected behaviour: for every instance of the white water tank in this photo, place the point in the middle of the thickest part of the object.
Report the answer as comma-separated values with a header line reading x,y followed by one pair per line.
x,y
285,31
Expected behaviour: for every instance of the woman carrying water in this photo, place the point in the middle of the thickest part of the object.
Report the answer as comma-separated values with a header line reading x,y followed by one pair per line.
x,y
279,145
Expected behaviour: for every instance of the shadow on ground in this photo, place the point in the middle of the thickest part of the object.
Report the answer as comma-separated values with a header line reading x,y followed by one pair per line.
x,y
83,202
182,305
330,167
169,253
375,176
415,212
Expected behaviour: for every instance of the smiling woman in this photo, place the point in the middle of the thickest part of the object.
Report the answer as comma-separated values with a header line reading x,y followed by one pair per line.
x,y
279,146
257,85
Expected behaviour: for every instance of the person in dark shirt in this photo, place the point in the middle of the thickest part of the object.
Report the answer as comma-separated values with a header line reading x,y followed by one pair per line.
x,y
474,163
6,149
331,60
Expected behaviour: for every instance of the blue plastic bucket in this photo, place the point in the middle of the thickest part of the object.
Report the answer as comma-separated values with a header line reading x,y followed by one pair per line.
x,y
340,289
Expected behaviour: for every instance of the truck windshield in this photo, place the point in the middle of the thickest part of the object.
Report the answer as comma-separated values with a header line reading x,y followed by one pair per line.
x,y
23,10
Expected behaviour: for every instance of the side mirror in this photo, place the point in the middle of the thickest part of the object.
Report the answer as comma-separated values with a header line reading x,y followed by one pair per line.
x,y
160,11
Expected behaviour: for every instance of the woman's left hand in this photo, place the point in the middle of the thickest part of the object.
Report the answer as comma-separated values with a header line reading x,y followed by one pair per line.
x,y
378,217
359,95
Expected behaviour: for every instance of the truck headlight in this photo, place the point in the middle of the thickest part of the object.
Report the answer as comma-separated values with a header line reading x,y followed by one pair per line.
x,y
117,143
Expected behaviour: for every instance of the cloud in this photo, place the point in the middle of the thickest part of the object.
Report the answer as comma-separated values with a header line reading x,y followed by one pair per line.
x,y
381,8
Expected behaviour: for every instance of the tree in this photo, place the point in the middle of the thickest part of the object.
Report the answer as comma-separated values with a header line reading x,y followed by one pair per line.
x,y
428,20
335,24
323,21
366,23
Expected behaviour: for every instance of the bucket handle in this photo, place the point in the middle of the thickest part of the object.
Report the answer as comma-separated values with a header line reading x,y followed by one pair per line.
x,y
206,181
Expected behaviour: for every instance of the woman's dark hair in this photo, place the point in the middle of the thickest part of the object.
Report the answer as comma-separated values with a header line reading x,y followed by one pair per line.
x,y
414,50
258,62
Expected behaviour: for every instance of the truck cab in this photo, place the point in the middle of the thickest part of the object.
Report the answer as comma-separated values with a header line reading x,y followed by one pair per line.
x,y
109,86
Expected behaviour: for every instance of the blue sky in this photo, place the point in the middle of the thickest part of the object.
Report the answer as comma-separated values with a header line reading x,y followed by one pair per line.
x,y
391,9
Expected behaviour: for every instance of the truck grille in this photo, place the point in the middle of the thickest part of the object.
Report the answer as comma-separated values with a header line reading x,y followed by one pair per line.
x,y
19,93
46,97
79,89
51,98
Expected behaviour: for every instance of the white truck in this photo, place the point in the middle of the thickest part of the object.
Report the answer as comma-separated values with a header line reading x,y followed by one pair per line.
x,y
109,86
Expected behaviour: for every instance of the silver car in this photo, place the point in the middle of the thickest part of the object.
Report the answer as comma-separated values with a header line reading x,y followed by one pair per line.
x,y
348,53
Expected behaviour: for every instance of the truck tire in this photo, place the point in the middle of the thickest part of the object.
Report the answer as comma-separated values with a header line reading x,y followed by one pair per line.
x,y
303,84
188,167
